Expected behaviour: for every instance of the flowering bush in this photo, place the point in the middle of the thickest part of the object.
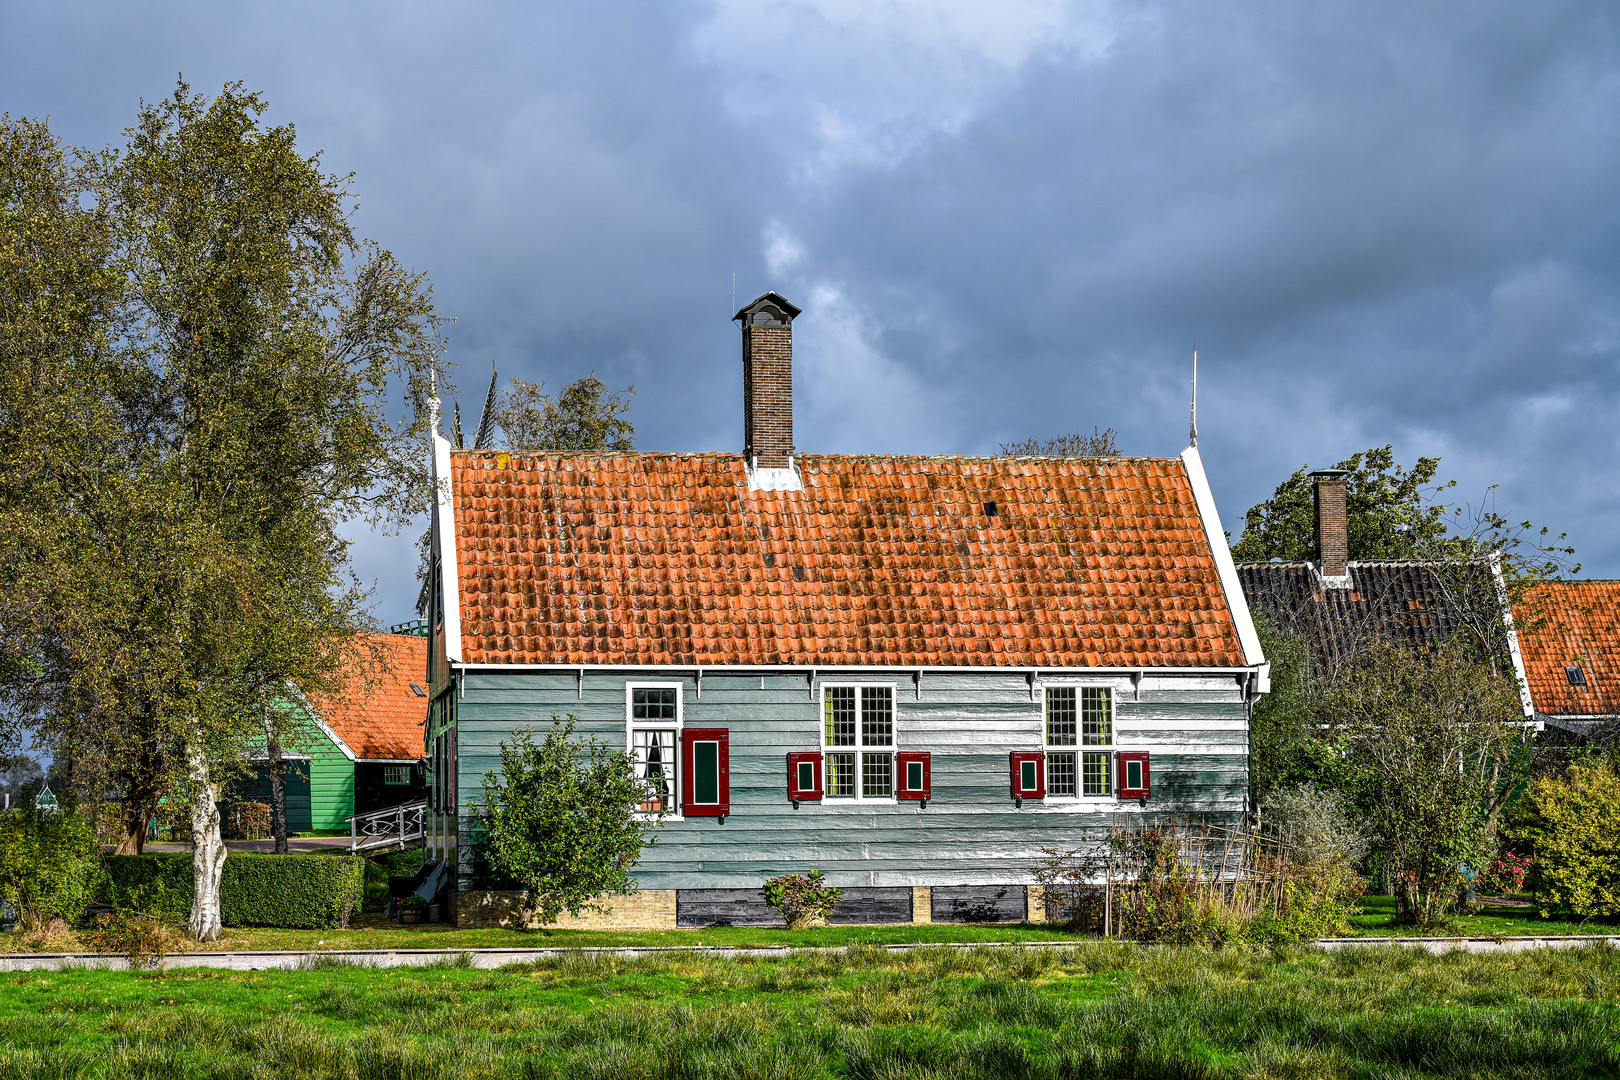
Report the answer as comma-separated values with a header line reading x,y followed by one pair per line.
x,y
1506,875
801,898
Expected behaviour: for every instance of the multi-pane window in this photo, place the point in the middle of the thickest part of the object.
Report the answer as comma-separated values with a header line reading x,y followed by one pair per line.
x,y
858,738
1078,717
655,720
396,774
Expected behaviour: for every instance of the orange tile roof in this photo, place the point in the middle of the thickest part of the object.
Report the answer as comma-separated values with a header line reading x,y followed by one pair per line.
x,y
655,559
377,713
1564,624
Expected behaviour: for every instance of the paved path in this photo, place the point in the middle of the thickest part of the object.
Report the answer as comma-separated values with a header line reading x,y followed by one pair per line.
x,y
495,958
296,845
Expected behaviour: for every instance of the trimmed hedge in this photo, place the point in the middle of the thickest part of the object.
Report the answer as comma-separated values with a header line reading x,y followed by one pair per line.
x,y
158,885
301,892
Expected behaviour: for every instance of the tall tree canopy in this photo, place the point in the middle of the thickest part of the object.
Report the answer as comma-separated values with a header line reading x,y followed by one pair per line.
x,y
1387,512
586,415
192,435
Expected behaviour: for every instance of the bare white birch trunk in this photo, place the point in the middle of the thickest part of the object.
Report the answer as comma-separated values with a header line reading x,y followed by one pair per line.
x,y
208,849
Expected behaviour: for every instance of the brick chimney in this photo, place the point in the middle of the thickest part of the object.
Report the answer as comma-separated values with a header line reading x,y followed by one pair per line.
x,y
1332,527
767,341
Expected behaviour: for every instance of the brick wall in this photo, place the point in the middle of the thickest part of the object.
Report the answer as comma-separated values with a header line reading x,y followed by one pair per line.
x,y
768,394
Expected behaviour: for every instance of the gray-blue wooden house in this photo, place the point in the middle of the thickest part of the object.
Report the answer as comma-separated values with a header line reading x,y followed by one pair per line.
x,y
911,673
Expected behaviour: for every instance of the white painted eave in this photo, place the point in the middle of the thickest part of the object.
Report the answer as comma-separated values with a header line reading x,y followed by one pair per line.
x,y
1225,569
445,527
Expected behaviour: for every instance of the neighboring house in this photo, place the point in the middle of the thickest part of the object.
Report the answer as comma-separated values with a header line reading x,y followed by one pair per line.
x,y
1339,605
1571,641
911,673
361,749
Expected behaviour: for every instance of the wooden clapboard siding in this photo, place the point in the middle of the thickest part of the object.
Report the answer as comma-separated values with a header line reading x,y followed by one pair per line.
x,y
970,834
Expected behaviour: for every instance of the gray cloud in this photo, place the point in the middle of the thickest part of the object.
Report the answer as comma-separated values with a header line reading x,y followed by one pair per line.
x,y
1381,222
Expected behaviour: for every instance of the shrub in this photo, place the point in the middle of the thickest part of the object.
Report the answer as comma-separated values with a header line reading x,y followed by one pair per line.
x,y
1572,823
1505,875
295,891
1189,886
314,892
156,885
563,820
802,899
48,863
140,938
1314,826
1072,887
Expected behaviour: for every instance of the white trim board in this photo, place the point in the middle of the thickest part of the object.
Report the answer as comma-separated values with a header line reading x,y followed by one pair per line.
x,y
1224,567
445,519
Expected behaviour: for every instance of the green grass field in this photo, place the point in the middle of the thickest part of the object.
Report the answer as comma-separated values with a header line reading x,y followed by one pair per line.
x,y
1104,1010
1377,919
445,936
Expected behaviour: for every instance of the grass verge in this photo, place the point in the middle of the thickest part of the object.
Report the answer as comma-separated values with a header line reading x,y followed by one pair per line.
x,y
1106,1009
1377,919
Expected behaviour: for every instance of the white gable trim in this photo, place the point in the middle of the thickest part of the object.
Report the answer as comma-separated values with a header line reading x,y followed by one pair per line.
x,y
326,729
1512,636
1224,567
445,526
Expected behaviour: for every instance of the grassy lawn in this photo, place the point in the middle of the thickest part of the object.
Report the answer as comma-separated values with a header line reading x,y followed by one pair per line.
x,y
444,936
1377,919
1107,1009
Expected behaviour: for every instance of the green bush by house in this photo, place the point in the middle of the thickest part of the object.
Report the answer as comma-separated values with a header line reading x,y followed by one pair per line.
x,y
47,863
1572,823
293,891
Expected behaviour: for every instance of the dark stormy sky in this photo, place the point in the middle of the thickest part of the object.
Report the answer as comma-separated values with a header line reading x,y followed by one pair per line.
x,y
1381,222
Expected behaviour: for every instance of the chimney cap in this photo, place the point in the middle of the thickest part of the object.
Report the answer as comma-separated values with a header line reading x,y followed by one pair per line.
x,y
1330,474
773,304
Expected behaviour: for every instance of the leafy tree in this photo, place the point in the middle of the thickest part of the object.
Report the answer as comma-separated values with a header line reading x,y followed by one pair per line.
x,y
585,416
1386,507
1436,747
564,821
1286,743
184,564
1099,444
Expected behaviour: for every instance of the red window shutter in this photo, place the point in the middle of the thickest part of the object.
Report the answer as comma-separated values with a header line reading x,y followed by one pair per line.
x,y
1022,787
705,772
1134,783
797,765
903,788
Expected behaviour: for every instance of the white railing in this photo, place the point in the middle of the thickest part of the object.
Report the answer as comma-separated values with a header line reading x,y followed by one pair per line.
x,y
397,826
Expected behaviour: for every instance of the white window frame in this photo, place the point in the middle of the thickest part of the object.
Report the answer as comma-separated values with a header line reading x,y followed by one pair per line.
x,y
1079,747
631,725
859,747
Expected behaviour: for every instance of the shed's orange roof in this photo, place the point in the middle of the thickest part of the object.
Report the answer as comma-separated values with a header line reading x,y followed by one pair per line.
x,y
1565,624
377,713
630,558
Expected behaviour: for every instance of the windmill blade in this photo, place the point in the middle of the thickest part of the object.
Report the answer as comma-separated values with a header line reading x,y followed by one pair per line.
x,y
486,425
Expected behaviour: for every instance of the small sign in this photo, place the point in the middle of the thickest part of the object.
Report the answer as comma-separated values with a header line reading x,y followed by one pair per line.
x,y
45,800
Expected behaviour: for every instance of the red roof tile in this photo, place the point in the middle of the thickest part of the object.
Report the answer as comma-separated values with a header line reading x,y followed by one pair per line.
x,y
377,713
670,559
1565,624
